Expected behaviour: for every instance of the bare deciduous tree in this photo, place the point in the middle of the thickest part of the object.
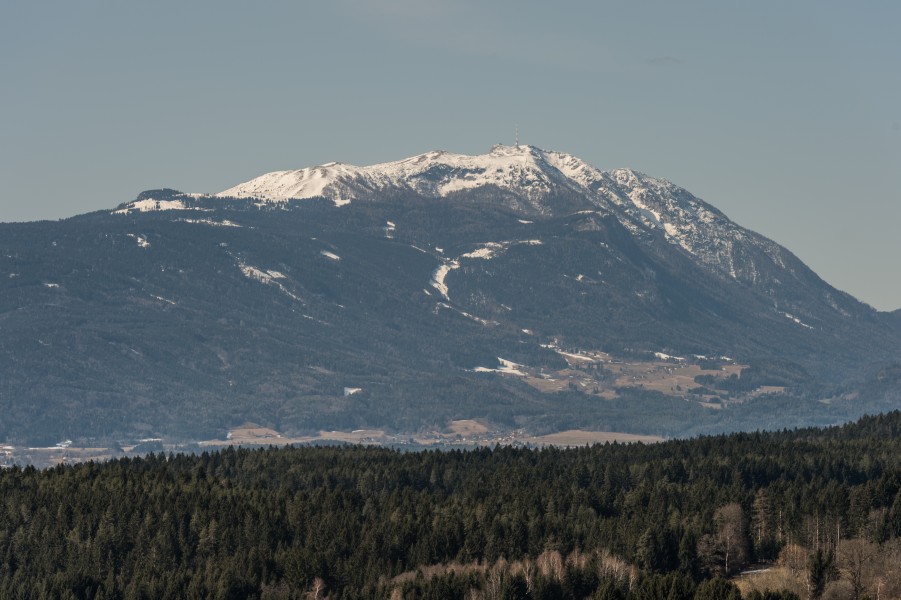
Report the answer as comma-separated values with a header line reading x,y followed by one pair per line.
x,y
317,589
726,550
794,558
731,536
529,570
856,561
550,563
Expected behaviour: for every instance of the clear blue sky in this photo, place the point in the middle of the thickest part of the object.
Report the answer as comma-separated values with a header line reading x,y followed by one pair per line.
x,y
785,115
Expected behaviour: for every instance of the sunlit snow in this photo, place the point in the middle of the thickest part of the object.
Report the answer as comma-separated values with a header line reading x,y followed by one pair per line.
x,y
642,204
149,205
222,223
485,252
796,320
260,274
507,368
439,275
469,316
141,240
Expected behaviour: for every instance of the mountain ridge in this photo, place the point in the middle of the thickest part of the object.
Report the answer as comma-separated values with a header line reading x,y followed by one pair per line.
x,y
642,203
544,308
436,172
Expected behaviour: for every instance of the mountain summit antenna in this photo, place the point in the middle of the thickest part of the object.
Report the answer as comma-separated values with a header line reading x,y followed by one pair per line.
x,y
517,136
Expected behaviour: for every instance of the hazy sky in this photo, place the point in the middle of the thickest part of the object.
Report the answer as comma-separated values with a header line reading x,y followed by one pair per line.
x,y
784,115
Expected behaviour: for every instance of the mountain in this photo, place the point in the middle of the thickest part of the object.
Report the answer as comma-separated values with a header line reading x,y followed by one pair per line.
x,y
521,287
547,184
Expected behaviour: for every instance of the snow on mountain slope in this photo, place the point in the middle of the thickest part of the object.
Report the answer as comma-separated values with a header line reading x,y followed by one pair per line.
x,y
524,170
533,181
700,229
150,204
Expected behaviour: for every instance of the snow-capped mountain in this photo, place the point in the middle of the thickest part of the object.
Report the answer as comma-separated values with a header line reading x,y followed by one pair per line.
x,y
509,286
533,180
524,170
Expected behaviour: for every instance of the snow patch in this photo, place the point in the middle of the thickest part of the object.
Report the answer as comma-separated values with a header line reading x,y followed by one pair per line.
x,y
150,205
440,274
223,223
507,368
663,356
260,275
330,255
486,252
797,320
574,356
471,317
268,277
141,240
489,250
350,391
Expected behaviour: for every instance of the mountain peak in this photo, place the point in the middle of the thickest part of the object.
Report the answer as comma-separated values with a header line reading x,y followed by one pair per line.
x,y
514,150
540,183
536,182
523,169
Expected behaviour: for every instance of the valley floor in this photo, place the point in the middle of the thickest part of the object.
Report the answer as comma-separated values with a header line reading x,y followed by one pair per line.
x,y
466,433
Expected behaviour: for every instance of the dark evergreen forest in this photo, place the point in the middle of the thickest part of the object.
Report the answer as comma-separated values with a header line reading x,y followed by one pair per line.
x,y
818,511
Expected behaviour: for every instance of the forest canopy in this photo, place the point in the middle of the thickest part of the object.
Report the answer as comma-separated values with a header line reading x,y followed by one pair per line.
x,y
820,508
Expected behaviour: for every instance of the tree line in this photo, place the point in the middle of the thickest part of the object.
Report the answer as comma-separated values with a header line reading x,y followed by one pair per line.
x,y
822,507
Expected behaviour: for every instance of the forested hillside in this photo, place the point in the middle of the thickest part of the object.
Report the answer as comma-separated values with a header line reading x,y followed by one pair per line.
x,y
821,509
182,317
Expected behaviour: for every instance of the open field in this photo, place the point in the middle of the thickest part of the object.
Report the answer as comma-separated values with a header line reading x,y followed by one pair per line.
x,y
251,434
465,432
468,427
579,437
599,374
664,377
772,578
